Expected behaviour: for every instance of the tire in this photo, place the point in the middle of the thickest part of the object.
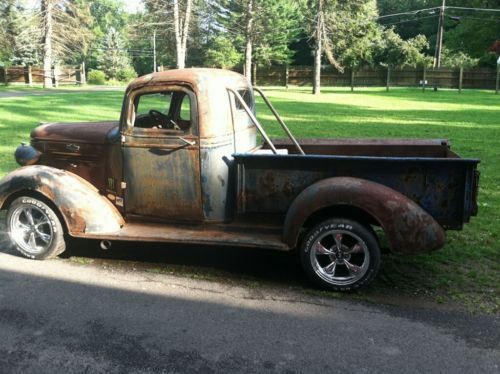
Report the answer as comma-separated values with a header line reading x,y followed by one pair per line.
x,y
340,255
34,229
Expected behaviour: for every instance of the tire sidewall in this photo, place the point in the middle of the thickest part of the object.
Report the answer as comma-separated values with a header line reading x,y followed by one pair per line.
x,y
57,245
354,227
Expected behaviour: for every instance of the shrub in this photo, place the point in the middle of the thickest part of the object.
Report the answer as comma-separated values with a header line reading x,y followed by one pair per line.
x,y
96,77
126,74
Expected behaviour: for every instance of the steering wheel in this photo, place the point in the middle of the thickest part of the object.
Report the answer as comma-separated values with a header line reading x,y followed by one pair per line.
x,y
159,116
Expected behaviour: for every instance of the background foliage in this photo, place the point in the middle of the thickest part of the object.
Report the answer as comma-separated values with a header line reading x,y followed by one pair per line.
x,y
105,36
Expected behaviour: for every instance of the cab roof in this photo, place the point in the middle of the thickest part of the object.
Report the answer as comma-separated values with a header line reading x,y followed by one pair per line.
x,y
198,78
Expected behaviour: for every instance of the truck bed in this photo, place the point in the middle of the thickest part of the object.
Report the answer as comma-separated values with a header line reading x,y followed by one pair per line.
x,y
426,171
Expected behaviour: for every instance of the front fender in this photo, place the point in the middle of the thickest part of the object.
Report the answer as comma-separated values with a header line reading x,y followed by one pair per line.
x,y
407,226
83,209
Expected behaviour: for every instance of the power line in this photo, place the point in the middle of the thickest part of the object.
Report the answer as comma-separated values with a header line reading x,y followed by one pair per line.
x,y
414,12
474,9
459,18
410,20
407,13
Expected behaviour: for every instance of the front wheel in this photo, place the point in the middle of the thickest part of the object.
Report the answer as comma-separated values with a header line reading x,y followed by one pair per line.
x,y
34,229
340,254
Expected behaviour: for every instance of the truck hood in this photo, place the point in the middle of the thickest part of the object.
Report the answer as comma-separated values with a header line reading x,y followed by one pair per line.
x,y
78,132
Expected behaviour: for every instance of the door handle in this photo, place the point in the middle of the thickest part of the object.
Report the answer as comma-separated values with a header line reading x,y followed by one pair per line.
x,y
188,142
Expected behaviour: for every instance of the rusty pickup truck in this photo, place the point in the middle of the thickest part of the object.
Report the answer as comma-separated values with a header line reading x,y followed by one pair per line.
x,y
189,162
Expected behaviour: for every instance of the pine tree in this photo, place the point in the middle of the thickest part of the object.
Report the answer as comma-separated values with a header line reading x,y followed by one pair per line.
x,y
113,58
19,42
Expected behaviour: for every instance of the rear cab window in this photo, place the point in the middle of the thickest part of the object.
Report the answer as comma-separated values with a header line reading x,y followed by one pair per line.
x,y
247,97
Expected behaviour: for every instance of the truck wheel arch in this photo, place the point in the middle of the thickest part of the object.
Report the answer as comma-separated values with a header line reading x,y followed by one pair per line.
x,y
37,195
409,229
82,209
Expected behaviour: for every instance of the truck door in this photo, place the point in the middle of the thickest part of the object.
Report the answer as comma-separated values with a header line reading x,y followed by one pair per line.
x,y
161,155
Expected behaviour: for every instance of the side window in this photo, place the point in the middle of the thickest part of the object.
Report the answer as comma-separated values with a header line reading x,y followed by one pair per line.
x,y
185,109
247,98
159,102
168,111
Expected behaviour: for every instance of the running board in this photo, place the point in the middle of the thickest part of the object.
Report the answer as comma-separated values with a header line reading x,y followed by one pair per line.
x,y
209,235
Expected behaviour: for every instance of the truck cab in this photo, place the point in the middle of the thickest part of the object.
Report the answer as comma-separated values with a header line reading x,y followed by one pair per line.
x,y
184,163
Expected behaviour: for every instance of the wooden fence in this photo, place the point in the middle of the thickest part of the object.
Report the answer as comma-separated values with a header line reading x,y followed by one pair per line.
x,y
29,75
480,78
303,76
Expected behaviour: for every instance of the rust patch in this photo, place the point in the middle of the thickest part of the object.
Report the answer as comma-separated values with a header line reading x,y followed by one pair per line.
x,y
408,227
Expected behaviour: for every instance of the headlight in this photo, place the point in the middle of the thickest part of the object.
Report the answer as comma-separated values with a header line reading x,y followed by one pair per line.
x,y
26,155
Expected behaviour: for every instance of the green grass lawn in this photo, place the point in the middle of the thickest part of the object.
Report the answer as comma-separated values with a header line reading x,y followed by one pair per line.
x,y
466,271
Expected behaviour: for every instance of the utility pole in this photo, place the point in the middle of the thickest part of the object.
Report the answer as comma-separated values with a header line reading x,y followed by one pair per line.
x,y
154,51
439,42
439,37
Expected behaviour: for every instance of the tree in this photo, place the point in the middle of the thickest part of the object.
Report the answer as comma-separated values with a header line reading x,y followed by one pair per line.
x,y
249,36
396,52
47,10
261,29
20,33
171,19
457,59
65,32
279,24
221,53
352,33
113,59
181,28
465,30
340,29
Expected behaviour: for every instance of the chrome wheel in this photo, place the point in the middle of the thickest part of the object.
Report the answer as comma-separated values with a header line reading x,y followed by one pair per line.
x,y
31,229
340,257
340,254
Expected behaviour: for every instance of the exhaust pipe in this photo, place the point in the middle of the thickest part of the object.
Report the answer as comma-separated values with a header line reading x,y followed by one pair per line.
x,y
105,244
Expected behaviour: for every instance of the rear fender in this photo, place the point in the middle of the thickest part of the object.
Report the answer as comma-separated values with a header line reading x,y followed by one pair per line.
x,y
407,226
83,209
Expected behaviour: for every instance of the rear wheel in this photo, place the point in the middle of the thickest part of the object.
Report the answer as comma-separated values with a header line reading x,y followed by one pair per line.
x,y
34,229
340,254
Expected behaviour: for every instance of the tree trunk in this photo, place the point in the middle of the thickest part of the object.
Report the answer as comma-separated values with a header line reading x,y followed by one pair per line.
x,y
181,28
249,40
185,30
47,11
83,76
318,49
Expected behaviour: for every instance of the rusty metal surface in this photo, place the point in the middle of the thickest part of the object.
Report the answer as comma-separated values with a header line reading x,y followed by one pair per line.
x,y
221,235
441,186
372,147
408,227
85,160
221,130
83,209
210,87
79,132
163,181
80,148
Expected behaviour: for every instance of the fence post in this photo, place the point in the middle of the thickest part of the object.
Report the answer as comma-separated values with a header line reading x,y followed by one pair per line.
x,y
424,78
28,77
287,75
388,81
496,86
352,79
6,76
53,72
460,79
